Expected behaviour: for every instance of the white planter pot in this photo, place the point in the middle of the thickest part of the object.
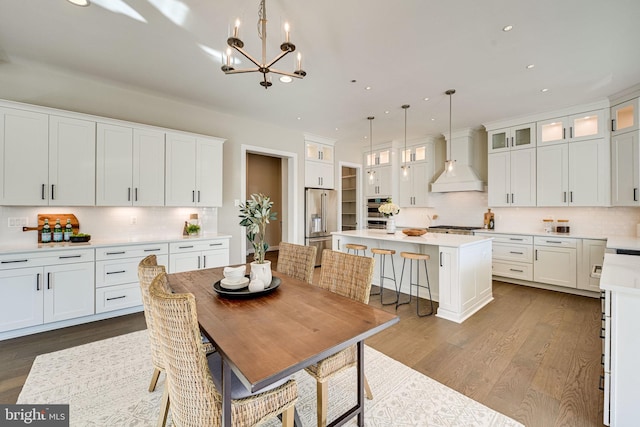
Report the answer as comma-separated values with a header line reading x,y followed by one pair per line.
x,y
391,226
261,272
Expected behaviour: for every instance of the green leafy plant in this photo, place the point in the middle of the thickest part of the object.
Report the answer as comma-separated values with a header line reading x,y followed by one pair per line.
x,y
193,228
255,215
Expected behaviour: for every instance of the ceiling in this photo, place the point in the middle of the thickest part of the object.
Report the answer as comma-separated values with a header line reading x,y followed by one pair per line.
x,y
405,50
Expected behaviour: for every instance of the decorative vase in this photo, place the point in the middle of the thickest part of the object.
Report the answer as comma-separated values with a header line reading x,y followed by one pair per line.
x,y
261,272
391,226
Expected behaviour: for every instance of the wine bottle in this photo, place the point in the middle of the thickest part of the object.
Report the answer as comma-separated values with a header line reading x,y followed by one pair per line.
x,y
68,231
57,231
46,232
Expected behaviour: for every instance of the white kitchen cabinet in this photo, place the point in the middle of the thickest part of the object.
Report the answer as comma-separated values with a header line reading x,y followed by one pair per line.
x,y
46,160
378,157
592,254
45,287
414,193
198,254
380,185
624,116
555,261
512,138
625,154
129,166
577,127
72,165
574,174
317,151
193,171
116,283
512,256
512,178
319,175
414,189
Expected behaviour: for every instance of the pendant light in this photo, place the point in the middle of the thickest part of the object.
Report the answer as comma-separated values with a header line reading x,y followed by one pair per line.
x,y
405,166
371,172
449,164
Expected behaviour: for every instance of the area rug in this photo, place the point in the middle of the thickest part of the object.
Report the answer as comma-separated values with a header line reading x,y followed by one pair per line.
x,y
105,383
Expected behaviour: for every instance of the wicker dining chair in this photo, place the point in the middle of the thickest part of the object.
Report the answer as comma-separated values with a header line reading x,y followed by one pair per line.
x,y
148,269
349,276
297,261
192,376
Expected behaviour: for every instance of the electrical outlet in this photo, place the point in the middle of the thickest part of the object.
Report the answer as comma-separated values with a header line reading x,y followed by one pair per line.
x,y
14,222
236,203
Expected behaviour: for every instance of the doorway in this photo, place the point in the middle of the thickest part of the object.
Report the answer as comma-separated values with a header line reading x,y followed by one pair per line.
x,y
350,196
288,222
264,175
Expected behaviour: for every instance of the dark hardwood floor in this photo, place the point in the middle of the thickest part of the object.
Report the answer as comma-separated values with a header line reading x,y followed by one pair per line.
x,y
531,354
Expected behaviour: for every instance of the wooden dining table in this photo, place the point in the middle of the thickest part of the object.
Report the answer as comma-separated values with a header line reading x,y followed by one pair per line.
x,y
271,336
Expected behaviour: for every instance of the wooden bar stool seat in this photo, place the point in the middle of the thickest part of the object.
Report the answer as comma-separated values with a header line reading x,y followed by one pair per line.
x,y
383,253
415,257
356,248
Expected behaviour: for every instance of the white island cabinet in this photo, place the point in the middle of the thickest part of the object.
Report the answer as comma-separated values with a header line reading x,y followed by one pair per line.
x,y
621,347
459,267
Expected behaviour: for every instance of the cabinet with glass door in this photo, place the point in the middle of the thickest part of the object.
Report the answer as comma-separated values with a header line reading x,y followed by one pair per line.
x,y
512,138
573,128
625,116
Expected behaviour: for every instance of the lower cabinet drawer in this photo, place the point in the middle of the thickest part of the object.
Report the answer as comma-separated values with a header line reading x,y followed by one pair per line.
x,y
116,297
513,270
518,253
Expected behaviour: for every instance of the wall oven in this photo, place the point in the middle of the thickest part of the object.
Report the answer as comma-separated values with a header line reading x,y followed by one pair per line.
x,y
375,219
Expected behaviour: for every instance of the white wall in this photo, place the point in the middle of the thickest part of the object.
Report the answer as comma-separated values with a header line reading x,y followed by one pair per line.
x,y
34,83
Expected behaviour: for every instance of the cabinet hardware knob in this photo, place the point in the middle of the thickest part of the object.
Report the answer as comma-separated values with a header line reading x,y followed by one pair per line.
x,y
117,272
43,190
38,282
115,253
48,280
152,250
128,194
120,297
69,256
53,197
13,261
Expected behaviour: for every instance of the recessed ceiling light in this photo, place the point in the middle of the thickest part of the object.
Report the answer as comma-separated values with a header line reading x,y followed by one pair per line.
x,y
530,66
368,88
507,28
433,120
79,2
337,129
286,79
426,99
299,118
386,112
544,90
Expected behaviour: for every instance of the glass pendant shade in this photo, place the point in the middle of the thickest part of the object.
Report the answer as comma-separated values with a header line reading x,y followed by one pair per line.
x,y
405,175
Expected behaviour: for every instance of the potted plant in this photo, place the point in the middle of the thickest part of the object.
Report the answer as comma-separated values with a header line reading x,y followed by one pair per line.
x,y
255,215
389,209
192,229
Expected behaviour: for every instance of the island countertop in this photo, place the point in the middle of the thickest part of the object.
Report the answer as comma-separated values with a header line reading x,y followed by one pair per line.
x,y
436,239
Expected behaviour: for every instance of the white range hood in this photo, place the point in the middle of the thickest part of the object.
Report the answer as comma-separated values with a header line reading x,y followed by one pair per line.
x,y
462,177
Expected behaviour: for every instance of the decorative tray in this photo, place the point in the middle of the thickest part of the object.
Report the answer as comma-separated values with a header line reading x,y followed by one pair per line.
x,y
78,239
414,231
244,292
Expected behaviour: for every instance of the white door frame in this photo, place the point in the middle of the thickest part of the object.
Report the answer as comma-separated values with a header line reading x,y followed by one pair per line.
x,y
289,198
359,204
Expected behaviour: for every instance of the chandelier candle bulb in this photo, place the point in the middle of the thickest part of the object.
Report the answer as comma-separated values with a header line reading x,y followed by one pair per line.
x,y
235,29
286,32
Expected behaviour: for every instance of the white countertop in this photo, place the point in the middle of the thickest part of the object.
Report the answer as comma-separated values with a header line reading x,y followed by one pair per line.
x,y
98,243
438,239
542,233
621,273
621,242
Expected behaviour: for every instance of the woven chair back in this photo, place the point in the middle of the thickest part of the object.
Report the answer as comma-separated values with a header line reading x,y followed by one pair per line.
x,y
194,398
148,269
347,275
297,261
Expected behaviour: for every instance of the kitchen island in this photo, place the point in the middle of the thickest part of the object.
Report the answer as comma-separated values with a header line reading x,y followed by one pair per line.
x,y
459,267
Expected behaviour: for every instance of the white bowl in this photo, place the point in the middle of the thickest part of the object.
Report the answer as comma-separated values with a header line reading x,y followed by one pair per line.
x,y
234,284
234,273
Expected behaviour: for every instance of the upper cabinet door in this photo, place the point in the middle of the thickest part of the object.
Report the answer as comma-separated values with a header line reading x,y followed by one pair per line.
x,y
513,138
589,173
148,168
114,171
180,170
208,173
24,157
625,152
318,152
72,164
523,178
624,116
578,127
553,175
499,179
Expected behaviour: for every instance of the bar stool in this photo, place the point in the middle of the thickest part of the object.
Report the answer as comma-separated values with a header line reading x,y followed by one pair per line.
x,y
383,260
411,256
356,248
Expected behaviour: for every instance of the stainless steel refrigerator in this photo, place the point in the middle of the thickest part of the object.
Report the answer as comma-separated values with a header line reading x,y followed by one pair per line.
x,y
321,218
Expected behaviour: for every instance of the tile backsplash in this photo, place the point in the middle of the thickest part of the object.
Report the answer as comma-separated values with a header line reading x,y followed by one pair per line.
x,y
468,208
109,223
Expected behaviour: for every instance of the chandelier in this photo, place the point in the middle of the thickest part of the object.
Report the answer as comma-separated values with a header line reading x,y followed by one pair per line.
x,y
263,66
